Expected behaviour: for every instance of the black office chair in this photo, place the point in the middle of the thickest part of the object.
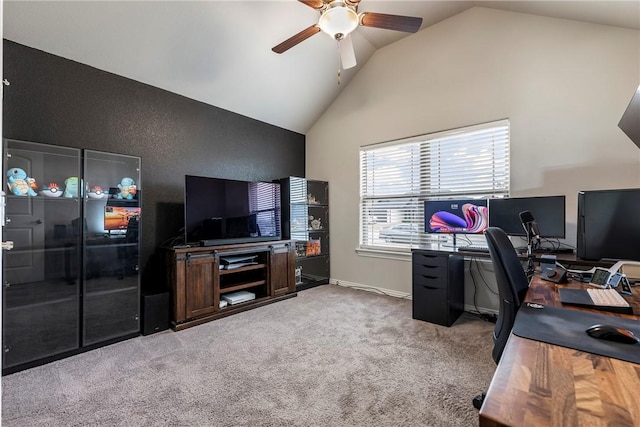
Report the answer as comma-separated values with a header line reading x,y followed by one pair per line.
x,y
512,288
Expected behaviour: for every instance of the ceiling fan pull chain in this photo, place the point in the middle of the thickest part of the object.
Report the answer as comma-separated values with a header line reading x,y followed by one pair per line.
x,y
339,76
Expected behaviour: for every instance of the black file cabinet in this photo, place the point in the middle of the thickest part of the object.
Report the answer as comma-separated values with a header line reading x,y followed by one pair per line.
x,y
438,286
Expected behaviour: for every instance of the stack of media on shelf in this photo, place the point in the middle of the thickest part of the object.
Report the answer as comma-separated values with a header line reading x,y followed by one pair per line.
x,y
305,219
237,261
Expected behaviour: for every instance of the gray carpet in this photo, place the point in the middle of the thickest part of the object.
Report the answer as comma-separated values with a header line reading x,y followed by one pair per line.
x,y
332,356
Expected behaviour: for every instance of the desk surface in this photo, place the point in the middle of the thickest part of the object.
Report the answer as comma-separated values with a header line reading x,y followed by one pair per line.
x,y
539,384
567,259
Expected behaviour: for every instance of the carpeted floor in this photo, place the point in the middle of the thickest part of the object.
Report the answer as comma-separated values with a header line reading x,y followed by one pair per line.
x,y
332,356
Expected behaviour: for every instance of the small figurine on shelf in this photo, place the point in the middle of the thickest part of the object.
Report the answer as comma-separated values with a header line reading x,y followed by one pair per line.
x,y
32,183
71,187
315,223
96,192
127,189
18,182
311,199
51,190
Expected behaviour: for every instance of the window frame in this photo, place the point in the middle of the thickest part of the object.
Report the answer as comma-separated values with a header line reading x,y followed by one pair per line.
x,y
496,138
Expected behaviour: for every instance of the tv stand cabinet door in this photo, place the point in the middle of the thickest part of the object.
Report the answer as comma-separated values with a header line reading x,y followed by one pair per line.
x,y
282,270
202,295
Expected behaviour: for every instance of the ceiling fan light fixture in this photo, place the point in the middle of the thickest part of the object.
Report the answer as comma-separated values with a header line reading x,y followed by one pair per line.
x,y
338,21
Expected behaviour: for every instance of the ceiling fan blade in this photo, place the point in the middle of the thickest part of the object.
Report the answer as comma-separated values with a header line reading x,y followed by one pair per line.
x,y
409,24
300,37
316,4
347,53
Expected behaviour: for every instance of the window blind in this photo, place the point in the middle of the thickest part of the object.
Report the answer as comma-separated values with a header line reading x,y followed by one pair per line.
x,y
264,203
398,176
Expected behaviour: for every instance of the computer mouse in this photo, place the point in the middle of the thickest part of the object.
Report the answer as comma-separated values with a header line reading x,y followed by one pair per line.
x,y
612,333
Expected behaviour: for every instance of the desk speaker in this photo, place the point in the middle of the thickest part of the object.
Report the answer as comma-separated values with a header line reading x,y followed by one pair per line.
x,y
155,313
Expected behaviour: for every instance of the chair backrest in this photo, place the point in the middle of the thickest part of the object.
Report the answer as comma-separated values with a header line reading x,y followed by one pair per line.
x,y
512,285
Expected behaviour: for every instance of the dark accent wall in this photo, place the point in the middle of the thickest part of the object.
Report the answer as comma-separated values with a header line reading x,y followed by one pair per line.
x,y
54,100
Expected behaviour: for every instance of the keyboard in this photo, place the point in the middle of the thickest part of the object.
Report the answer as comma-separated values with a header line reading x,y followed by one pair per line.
x,y
607,297
483,249
598,299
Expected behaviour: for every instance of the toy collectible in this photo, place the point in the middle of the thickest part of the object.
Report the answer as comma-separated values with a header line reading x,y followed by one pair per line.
x,y
96,192
71,187
51,190
127,188
18,182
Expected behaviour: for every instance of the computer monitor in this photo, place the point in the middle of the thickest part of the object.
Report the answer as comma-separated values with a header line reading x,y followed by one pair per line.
x,y
548,211
118,217
456,216
609,225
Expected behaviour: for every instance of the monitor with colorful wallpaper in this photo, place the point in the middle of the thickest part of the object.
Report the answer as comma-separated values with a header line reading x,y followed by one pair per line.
x,y
456,216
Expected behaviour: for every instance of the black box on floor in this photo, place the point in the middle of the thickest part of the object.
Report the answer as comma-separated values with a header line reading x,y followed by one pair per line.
x,y
155,313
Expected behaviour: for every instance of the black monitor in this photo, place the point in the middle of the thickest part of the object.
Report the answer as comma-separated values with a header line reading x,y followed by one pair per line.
x,y
548,211
456,216
609,225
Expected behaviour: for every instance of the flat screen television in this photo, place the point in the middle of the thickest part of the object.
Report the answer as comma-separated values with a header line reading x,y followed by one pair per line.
x,y
222,211
548,211
457,216
609,224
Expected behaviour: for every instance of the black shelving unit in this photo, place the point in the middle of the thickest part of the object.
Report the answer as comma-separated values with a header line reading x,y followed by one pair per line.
x,y
305,219
71,281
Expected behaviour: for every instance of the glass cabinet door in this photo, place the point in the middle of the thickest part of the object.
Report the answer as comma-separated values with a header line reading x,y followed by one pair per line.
x,y
306,221
111,246
41,290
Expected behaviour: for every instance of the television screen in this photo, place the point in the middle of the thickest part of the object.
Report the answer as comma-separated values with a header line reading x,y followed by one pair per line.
x,y
118,217
609,225
548,211
221,211
468,216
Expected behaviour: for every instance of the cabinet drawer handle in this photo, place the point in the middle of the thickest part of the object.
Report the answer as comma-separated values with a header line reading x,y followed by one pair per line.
x,y
429,277
429,287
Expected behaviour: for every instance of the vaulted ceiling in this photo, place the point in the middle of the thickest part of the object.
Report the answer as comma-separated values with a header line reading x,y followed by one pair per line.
x,y
219,52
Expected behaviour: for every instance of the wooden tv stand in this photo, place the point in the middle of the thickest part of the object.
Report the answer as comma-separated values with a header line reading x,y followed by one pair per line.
x,y
197,280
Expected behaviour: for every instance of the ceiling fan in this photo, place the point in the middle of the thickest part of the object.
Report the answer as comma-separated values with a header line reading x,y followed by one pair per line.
x,y
339,18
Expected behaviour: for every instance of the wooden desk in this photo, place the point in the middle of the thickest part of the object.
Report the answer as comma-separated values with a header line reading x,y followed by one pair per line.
x,y
539,384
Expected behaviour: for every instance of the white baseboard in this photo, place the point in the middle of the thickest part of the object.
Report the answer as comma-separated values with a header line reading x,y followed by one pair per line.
x,y
368,288
397,294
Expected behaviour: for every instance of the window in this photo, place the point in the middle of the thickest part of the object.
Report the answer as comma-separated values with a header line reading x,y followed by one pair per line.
x,y
397,177
264,205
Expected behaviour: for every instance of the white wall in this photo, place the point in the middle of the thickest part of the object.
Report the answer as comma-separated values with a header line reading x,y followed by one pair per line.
x,y
562,84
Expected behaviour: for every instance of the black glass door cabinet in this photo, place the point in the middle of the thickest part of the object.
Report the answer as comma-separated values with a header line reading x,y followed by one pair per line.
x,y
110,246
41,296
305,218
72,279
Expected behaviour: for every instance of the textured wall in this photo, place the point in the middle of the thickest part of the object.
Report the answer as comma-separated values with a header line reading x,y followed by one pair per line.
x,y
57,101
